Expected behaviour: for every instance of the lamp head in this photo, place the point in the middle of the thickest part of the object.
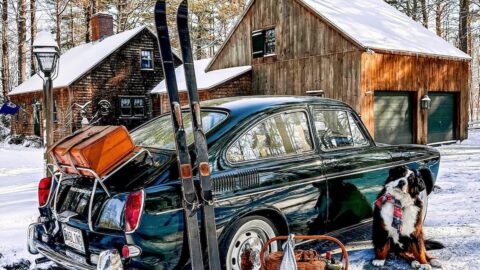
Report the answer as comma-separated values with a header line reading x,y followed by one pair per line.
x,y
46,52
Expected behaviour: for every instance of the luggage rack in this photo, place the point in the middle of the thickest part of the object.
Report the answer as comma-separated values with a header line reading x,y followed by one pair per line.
x,y
59,173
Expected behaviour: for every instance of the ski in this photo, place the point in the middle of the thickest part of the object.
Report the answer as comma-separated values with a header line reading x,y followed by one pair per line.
x,y
208,207
190,199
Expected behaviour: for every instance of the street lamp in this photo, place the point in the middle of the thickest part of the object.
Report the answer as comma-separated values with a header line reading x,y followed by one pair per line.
x,y
46,52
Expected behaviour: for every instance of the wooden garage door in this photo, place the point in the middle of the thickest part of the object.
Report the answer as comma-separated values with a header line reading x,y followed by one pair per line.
x,y
441,118
393,117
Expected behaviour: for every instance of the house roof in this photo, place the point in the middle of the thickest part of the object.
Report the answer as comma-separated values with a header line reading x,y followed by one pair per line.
x,y
376,25
78,61
205,80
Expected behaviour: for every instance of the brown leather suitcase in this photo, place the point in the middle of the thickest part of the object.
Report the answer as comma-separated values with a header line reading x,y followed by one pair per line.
x,y
99,148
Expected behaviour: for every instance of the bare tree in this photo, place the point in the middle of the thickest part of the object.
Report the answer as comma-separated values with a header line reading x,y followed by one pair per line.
x,y
33,33
22,39
5,50
463,29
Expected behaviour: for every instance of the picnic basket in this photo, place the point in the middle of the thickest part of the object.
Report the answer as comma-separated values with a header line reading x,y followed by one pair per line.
x,y
306,260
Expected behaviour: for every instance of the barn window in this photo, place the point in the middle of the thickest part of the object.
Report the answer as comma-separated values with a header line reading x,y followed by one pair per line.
x,y
146,62
132,106
264,42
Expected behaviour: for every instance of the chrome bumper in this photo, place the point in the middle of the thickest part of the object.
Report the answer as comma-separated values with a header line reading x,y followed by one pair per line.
x,y
107,260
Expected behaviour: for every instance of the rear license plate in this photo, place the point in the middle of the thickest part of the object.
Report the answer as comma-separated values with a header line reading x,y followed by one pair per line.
x,y
76,257
73,238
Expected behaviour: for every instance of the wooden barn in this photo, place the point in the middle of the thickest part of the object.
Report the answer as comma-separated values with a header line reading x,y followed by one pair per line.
x,y
363,52
120,69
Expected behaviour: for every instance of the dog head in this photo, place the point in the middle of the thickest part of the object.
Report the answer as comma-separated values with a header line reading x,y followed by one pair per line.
x,y
405,180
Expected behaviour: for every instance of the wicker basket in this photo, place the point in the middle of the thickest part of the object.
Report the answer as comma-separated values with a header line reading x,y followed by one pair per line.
x,y
306,260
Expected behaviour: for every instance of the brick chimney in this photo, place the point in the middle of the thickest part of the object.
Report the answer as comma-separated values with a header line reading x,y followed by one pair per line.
x,y
101,26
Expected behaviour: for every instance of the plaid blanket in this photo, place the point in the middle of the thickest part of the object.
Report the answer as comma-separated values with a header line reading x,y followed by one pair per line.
x,y
397,210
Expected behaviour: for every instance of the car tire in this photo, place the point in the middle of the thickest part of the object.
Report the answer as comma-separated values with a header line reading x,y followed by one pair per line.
x,y
249,232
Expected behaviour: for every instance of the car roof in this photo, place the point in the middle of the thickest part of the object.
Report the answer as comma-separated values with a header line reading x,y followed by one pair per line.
x,y
253,104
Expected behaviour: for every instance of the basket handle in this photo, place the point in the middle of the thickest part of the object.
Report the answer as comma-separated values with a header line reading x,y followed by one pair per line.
x,y
299,237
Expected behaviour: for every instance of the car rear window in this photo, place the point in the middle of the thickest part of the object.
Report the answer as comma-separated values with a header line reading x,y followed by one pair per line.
x,y
159,132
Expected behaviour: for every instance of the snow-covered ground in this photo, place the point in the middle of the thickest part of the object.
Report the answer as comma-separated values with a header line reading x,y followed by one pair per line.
x,y
453,217
20,170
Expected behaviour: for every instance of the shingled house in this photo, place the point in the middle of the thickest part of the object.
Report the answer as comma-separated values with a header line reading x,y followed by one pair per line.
x,y
363,52
121,69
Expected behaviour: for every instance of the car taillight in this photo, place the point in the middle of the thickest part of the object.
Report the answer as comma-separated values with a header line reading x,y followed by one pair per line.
x,y
133,210
44,190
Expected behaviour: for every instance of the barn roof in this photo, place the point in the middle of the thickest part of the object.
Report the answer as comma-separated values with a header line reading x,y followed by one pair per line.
x,y
78,61
374,24
205,80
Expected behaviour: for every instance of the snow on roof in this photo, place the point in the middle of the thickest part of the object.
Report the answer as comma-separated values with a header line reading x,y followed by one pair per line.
x,y
77,61
375,24
205,80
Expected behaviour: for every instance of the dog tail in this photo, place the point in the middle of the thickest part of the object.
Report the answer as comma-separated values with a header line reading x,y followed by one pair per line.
x,y
433,245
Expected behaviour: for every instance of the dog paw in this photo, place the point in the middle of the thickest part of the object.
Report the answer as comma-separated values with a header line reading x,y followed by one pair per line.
x,y
435,263
425,267
416,265
378,263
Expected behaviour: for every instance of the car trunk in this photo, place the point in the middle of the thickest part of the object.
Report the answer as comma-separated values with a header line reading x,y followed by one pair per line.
x,y
107,212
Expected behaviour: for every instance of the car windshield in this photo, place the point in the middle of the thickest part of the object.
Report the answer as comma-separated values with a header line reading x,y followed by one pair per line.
x,y
159,132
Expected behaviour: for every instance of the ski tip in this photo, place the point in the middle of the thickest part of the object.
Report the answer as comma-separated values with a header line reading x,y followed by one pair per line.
x,y
182,9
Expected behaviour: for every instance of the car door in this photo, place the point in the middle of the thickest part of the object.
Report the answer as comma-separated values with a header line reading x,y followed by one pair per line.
x,y
278,152
354,167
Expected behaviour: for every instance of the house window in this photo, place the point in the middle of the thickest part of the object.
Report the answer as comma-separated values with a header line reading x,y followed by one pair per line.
x,y
24,113
264,42
55,112
146,59
132,106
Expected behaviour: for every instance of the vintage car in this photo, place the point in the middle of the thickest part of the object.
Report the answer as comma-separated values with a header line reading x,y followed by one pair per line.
x,y
280,165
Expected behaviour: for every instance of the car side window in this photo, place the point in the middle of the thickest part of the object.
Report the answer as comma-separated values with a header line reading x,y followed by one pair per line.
x,y
281,135
338,129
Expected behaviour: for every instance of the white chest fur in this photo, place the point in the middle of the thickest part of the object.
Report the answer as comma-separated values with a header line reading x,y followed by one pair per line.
x,y
409,218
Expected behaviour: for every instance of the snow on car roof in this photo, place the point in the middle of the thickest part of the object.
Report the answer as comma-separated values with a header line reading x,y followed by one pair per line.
x,y
77,61
205,80
375,24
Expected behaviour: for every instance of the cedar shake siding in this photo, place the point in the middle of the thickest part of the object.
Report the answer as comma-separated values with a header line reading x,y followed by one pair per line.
x,y
117,75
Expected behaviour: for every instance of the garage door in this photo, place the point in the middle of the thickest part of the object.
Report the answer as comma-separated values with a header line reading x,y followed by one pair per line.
x,y
441,118
393,117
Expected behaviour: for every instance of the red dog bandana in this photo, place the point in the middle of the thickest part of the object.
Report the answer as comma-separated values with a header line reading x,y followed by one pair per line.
x,y
397,210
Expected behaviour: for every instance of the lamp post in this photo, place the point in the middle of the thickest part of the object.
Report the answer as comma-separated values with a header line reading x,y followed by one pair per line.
x,y
46,52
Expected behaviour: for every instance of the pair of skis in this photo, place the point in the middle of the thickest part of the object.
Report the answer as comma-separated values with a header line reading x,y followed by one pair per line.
x,y
191,201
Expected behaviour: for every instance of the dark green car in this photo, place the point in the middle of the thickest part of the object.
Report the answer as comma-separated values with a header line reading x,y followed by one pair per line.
x,y
280,165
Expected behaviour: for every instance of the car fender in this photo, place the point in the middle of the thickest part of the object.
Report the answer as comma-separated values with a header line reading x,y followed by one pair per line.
x,y
272,213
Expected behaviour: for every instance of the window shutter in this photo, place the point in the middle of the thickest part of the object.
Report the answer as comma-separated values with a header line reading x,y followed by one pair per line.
x,y
258,44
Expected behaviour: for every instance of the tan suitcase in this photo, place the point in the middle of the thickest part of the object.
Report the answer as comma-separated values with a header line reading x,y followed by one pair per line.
x,y
99,148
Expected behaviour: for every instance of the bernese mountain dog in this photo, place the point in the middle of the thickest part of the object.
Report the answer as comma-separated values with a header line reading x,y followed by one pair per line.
x,y
398,220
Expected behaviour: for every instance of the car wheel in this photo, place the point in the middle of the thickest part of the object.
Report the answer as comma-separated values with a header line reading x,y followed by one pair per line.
x,y
424,197
246,238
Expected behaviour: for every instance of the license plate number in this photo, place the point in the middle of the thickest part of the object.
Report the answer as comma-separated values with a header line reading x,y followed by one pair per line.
x,y
73,238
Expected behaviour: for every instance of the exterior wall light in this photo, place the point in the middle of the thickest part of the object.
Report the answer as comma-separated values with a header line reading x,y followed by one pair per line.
x,y
426,102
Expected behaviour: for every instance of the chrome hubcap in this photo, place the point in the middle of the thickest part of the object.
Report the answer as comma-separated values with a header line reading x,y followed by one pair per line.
x,y
247,244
